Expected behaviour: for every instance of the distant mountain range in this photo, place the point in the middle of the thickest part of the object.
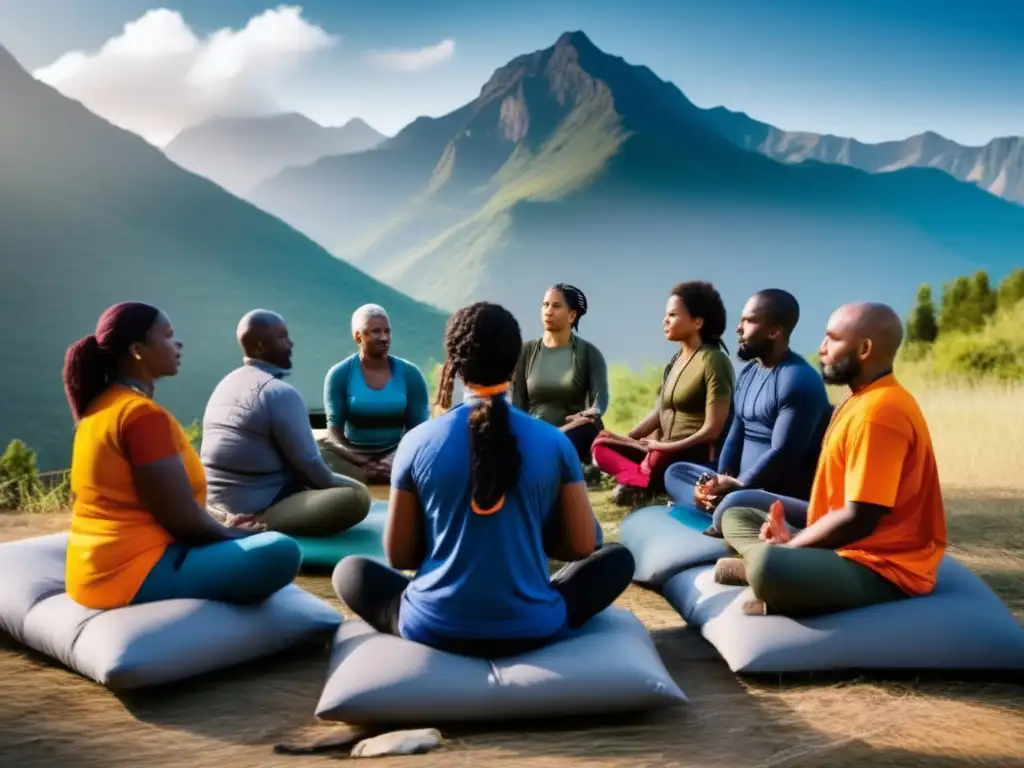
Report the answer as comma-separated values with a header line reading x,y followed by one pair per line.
x,y
240,152
997,167
91,215
574,165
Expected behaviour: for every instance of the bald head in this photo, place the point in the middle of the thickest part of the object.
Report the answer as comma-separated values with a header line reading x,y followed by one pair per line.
x,y
879,324
263,336
860,343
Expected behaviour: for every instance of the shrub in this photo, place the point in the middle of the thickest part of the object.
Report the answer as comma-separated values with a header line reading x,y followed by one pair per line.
x,y
995,351
19,476
194,433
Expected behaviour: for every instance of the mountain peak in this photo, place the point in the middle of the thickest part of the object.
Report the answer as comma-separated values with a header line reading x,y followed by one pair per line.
x,y
577,39
11,69
7,58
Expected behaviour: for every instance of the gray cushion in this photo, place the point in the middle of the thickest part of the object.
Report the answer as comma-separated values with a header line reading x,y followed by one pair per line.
x,y
962,625
143,645
608,665
665,540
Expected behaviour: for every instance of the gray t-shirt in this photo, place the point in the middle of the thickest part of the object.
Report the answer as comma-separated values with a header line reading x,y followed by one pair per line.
x,y
257,443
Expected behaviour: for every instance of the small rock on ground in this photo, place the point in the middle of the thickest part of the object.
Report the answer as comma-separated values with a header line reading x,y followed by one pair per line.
x,y
321,740
416,742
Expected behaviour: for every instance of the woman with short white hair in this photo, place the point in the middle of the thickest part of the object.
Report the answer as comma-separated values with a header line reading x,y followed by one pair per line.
x,y
371,399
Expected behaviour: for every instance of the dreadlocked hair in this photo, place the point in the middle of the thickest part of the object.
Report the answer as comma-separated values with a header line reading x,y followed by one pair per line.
x,y
483,342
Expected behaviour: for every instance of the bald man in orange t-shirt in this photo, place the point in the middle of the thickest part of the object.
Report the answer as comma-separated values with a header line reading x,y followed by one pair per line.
x,y
876,523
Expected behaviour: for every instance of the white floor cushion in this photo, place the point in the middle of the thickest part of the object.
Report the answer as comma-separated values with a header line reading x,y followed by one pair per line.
x,y
144,645
962,625
610,665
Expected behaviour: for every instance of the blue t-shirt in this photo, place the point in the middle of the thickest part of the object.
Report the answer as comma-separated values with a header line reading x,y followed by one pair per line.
x,y
375,418
484,576
780,417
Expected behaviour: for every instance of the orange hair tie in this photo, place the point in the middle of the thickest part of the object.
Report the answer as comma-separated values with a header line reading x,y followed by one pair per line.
x,y
498,505
497,389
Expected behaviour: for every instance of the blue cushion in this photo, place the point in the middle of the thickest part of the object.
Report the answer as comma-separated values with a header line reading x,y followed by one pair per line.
x,y
609,665
962,625
149,644
665,540
366,538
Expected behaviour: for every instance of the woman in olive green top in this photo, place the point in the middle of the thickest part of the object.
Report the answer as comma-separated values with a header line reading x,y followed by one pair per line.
x,y
694,405
560,378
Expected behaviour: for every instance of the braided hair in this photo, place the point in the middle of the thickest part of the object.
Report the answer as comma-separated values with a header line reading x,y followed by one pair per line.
x,y
574,299
704,301
483,342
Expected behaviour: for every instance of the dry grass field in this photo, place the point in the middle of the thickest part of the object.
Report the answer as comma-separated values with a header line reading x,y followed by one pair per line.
x,y
50,716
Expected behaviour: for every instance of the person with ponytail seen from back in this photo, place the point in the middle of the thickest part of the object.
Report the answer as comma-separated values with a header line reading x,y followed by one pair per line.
x,y
481,497
140,530
692,413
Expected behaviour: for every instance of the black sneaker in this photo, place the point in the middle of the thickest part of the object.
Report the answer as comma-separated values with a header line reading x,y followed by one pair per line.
x,y
713,532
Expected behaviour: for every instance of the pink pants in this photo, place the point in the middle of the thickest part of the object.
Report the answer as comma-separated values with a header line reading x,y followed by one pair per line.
x,y
632,467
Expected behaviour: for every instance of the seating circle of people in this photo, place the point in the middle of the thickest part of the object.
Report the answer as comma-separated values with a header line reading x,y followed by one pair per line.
x,y
820,509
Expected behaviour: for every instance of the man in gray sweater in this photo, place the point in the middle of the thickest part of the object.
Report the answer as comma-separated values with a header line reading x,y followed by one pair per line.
x,y
259,452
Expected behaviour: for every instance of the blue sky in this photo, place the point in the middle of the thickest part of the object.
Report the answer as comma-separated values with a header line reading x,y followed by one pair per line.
x,y
872,69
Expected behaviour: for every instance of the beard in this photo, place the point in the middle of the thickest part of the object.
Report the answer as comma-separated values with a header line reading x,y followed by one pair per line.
x,y
843,372
753,348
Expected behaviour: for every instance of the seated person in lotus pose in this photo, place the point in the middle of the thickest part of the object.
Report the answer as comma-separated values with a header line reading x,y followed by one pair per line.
x,y
140,530
780,412
876,523
372,398
693,408
258,450
560,378
481,497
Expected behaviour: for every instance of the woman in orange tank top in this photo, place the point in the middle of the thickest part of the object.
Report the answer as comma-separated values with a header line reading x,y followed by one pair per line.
x,y
140,530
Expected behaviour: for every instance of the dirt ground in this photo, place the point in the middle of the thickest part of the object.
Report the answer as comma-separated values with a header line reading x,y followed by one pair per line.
x,y
50,716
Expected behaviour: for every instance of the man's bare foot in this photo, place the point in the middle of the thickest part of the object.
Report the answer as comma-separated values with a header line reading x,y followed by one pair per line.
x,y
731,571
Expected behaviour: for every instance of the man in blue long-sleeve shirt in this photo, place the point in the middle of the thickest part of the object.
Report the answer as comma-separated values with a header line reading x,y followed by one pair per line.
x,y
780,413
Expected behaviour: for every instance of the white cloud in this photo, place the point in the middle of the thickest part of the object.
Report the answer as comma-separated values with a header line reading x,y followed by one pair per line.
x,y
157,76
412,60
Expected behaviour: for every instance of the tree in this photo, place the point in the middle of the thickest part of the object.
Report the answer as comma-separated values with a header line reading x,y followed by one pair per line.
x,y
982,300
967,304
1011,290
955,298
922,325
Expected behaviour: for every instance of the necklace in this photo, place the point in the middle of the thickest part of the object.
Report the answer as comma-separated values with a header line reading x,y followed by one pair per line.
x,y
134,386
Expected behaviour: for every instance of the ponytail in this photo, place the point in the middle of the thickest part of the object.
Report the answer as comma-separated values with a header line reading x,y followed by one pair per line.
x,y
86,374
90,364
483,343
445,387
494,454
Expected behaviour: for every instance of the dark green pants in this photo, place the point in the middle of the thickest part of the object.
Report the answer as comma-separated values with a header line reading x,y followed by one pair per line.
x,y
314,513
802,581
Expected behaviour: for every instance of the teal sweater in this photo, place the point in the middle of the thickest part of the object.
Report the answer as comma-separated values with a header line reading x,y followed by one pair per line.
x,y
375,419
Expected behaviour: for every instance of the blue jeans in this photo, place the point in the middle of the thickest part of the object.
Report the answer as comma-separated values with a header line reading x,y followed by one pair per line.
x,y
681,478
244,570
